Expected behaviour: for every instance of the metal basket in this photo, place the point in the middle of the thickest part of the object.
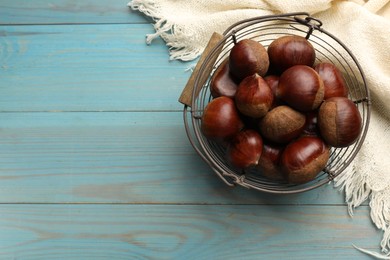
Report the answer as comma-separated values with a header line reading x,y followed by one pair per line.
x,y
265,29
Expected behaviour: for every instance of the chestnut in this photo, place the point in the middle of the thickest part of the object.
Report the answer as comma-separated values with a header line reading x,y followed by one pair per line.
x,y
221,119
301,87
253,97
311,125
287,51
245,148
304,158
273,81
268,164
222,83
339,121
334,83
282,124
248,57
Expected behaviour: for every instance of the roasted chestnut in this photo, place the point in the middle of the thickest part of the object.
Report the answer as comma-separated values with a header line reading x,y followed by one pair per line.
x,y
303,159
339,121
221,119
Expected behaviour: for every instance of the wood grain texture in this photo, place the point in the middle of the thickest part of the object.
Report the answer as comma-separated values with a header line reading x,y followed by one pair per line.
x,y
70,12
123,157
87,68
182,232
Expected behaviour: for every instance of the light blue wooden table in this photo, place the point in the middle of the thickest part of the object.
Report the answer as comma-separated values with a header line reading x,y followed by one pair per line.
x,y
95,162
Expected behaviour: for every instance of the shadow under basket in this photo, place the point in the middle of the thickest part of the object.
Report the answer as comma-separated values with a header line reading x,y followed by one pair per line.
x,y
196,95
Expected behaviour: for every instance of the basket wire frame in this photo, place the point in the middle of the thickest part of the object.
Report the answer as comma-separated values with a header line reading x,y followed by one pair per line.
x,y
265,29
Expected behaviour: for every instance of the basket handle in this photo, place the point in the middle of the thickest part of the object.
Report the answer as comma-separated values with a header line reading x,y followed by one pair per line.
x,y
186,95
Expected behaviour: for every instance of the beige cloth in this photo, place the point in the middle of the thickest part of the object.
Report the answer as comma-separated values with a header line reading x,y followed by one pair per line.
x,y
364,26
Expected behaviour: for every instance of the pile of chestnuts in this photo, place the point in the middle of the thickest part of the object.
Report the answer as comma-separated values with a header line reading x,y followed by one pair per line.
x,y
277,111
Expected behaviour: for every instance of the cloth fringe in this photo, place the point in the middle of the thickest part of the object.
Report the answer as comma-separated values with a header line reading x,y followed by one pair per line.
x,y
357,191
354,186
371,253
169,32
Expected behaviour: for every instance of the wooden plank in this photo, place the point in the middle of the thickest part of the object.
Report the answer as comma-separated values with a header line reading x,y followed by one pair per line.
x,y
87,68
183,232
68,12
123,157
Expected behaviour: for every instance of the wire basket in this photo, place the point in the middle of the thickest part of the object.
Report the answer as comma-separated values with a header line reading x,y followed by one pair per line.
x,y
265,29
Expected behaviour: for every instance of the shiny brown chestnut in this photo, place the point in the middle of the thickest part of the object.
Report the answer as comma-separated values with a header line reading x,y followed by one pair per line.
x,y
311,125
303,159
273,81
339,121
334,83
253,97
221,119
301,87
222,83
248,57
282,124
245,148
268,164
287,51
